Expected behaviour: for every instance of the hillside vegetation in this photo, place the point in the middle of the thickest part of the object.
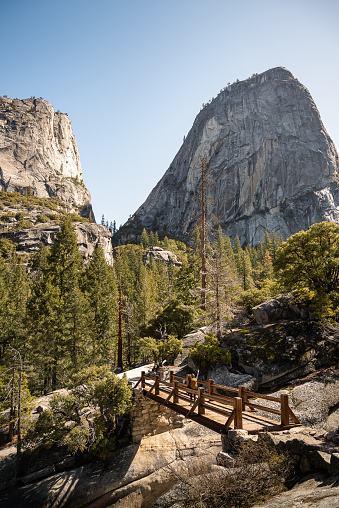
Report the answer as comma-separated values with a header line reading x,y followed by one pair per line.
x,y
62,316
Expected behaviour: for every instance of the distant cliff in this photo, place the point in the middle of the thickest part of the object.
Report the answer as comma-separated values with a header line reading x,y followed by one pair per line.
x,y
272,164
39,153
41,179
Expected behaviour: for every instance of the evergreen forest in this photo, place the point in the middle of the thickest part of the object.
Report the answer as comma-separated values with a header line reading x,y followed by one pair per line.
x,y
62,319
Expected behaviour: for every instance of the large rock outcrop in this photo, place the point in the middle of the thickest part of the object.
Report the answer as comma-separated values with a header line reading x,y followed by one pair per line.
x,y
39,153
88,236
136,476
272,165
159,254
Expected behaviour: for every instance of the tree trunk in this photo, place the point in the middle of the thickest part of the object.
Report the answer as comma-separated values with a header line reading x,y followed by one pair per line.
x,y
12,411
120,331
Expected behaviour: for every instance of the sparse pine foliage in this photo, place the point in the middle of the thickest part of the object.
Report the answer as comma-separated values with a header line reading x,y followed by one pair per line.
x,y
83,419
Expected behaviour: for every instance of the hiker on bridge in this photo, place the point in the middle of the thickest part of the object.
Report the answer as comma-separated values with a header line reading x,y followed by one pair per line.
x,y
193,384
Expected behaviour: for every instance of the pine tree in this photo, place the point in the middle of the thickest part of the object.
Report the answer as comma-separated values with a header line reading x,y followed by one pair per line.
x,y
144,240
245,270
236,247
58,309
14,293
268,243
101,288
145,296
223,284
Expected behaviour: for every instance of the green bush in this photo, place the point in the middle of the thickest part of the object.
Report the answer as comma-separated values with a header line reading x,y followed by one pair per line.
x,y
7,247
6,216
23,224
42,218
209,354
84,419
12,198
159,351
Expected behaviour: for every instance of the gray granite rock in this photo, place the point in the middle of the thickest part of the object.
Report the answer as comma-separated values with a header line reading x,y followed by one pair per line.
x,y
159,254
285,306
272,164
88,236
135,477
39,153
222,376
316,491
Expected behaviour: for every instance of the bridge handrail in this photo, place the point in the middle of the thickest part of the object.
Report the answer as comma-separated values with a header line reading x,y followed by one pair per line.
x,y
262,396
206,383
238,402
177,375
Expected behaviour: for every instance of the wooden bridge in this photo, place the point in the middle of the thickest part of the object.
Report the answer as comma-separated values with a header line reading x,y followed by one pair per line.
x,y
219,407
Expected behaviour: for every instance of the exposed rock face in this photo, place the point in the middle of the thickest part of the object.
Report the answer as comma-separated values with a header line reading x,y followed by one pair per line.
x,y
284,306
39,154
316,491
88,236
272,164
159,254
135,477
221,375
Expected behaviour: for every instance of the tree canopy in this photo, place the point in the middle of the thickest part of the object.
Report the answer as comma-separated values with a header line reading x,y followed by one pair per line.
x,y
310,259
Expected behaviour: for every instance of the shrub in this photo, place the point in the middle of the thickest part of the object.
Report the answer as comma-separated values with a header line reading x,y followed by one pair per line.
x,y
85,417
167,349
207,355
23,224
258,472
42,218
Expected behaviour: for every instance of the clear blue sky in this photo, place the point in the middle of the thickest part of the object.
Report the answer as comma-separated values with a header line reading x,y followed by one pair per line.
x,y
133,74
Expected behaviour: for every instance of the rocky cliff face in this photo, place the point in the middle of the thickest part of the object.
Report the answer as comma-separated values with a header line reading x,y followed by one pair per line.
x,y
39,154
271,162
41,175
88,236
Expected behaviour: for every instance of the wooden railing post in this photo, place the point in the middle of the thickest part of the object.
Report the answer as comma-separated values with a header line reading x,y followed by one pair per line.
x,y
285,418
176,393
238,413
201,407
171,377
156,390
143,379
242,396
211,386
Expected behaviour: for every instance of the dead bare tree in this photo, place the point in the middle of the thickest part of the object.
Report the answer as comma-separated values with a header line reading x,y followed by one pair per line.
x,y
201,220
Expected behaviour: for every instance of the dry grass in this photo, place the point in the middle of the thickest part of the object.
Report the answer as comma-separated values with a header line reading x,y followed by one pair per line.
x,y
258,472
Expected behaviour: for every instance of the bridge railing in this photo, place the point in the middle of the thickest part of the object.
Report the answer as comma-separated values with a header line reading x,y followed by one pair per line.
x,y
208,397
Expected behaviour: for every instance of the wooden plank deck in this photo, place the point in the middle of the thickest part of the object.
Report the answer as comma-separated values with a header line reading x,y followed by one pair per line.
x,y
220,407
252,422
